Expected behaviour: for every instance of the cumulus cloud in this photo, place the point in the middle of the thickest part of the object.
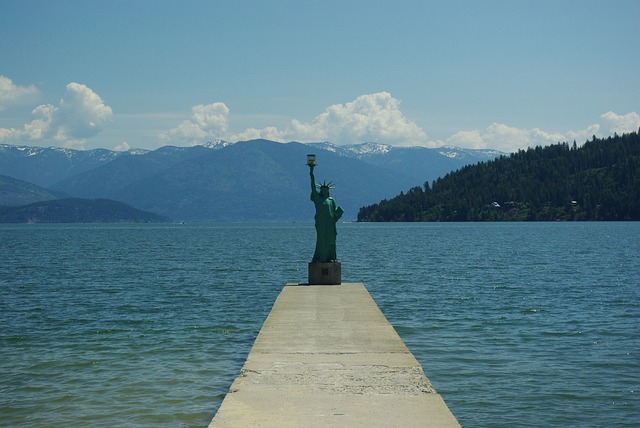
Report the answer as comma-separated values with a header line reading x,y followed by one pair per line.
x,y
80,114
624,124
377,118
502,137
269,133
207,122
368,118
122,147
468,139
11,94
584,134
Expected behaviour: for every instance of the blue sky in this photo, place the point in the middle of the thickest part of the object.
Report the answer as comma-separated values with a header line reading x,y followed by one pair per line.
x,y
479,74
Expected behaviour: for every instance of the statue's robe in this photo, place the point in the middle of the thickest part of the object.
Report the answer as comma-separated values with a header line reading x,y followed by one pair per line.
x,y
327,215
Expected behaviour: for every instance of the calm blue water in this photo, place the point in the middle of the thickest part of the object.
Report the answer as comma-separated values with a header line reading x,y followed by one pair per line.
x,y
515,324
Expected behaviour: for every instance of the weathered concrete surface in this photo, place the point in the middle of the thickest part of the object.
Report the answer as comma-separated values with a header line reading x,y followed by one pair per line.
x,y
327,356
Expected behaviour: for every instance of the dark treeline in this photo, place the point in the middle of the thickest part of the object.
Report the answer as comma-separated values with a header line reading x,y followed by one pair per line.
x,y
598,181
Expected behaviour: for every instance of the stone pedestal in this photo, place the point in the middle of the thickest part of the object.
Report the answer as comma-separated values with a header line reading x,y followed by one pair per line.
x,y
325,273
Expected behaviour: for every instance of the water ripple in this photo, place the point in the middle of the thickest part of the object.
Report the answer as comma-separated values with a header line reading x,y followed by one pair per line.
x,y
135,325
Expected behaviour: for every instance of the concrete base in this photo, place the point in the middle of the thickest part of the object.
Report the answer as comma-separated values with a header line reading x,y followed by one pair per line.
x,y
325,273
327,357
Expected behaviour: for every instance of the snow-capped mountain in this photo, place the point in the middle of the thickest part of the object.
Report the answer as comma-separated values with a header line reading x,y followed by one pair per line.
x,y
217,144
44,166
420,163
376,149
459,153
354,150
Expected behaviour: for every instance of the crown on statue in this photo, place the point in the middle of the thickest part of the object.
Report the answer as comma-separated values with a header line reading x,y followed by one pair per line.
x,y
325,185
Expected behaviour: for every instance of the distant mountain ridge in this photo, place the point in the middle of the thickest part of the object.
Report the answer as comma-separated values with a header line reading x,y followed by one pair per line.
x,y
257,180
421,163
372,149
45,166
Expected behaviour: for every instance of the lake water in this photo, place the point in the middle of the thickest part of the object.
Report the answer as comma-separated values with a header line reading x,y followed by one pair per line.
x,y
515,324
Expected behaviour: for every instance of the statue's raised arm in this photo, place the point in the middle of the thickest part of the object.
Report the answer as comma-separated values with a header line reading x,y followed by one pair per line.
x,y
313,181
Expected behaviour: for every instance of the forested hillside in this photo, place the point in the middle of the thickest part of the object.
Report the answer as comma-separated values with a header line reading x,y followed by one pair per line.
x,y
598,181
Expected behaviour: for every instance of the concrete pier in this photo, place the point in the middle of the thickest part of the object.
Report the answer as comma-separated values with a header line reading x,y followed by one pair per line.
x,y
327,357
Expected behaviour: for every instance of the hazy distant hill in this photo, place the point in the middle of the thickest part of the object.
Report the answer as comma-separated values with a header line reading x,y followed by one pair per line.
x,y
74,210
244,181
14,192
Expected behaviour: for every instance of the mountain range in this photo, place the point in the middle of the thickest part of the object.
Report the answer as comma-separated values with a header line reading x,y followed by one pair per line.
x,y
256,180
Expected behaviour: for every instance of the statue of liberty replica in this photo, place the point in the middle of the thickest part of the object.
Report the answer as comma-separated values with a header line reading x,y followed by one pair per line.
x,y
324,267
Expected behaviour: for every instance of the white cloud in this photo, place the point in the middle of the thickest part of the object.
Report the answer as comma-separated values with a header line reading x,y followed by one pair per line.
x,y
122,147
207,122
468,139
11,94
502,137
268,133
584,134
368,118
624,124
508,139
378,118
80,114
40,126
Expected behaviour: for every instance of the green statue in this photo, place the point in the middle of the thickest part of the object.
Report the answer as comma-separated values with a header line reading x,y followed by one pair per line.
x,y
327,215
